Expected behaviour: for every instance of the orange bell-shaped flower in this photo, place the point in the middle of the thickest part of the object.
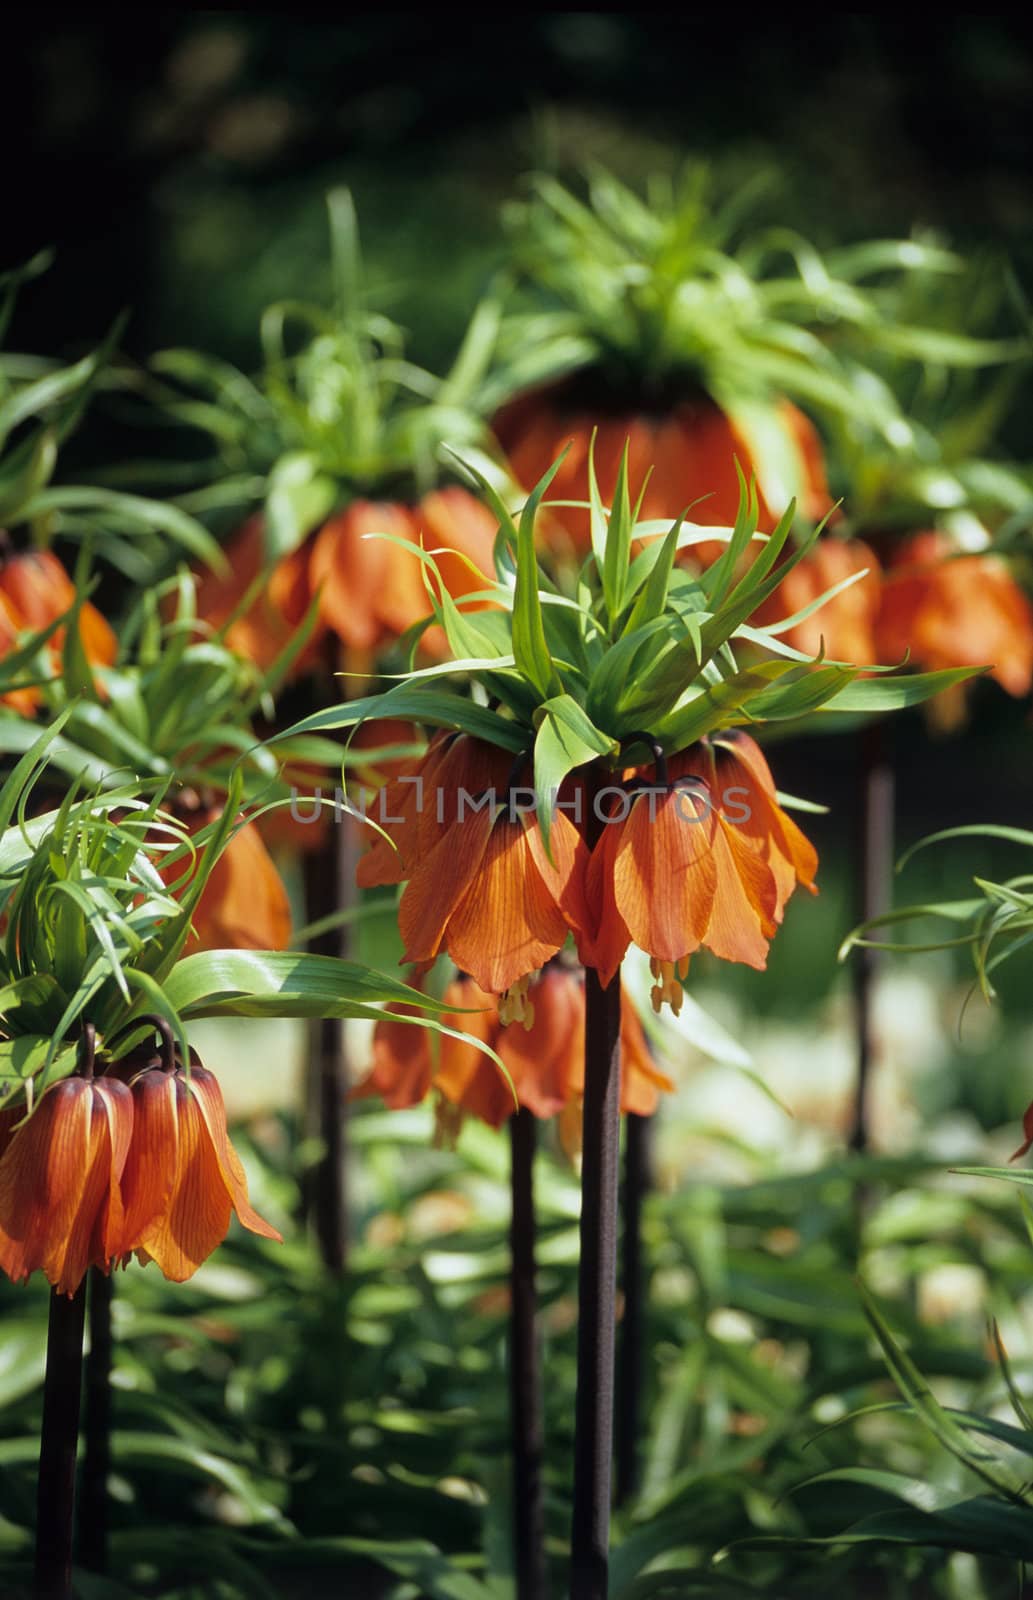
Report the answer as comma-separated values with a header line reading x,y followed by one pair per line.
x,y
263,631
244,904
61,1208
480,885
698,854
690,451
845,626
953,610
35,590
183,1180
543,1054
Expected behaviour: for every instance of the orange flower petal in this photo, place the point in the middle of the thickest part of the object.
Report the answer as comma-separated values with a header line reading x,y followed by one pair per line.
x,y
664,872
244,904
197,1216
742,915
204,1088
546,1061
401,1070
508,924
438,885
153,1157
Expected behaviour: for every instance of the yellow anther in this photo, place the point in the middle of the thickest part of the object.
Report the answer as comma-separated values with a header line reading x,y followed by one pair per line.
x,y
514,1006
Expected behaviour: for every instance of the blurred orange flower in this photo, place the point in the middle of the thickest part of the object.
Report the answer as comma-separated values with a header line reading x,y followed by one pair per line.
x,y
845,625
371,589
262,631
543,1054
244,904
955,610
691,447
35,590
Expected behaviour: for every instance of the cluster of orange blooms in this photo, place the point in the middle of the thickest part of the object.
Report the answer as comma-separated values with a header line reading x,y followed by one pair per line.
x,y
244,904
142,1163
481,884
676,857
543,1056
137,1162
370,588
944,607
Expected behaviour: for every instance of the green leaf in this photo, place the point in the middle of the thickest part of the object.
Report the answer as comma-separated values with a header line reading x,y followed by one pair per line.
x,y
530,647
718,704
873,695
438,708
32,471
566,738
282,983
130,513
618,542
298,498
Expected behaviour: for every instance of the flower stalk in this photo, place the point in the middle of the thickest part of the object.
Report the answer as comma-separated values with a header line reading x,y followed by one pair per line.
x,y
59,1442
329,888
597,1292
525,1382
637,1140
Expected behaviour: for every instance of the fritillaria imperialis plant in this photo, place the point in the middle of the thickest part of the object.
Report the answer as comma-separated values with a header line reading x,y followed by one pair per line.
x,y
336,441
337,438
931,509
595,784
108,1147
681,324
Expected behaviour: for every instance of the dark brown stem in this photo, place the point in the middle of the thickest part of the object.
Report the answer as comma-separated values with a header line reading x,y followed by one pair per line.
x,y
92,1518
59,1439
637,1141
597,1286
525,1389
330,888
874,892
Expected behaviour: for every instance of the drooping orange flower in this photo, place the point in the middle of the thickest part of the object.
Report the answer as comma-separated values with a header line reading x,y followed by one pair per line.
x,y
371,589
483,894
955,610
692,448
479,884
697,856
35,590
845,625
244,904
547,1060
61,1206
264,629
416,808
182,1179
543,1054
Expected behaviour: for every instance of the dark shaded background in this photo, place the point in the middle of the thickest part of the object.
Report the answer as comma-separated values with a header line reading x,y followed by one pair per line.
x,y
179,167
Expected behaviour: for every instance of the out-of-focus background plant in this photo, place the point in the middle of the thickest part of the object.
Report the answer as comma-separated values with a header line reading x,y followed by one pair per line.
x,y
278,1432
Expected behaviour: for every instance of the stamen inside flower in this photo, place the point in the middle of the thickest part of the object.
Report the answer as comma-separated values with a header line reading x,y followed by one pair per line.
x,y
668,985
514,1006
